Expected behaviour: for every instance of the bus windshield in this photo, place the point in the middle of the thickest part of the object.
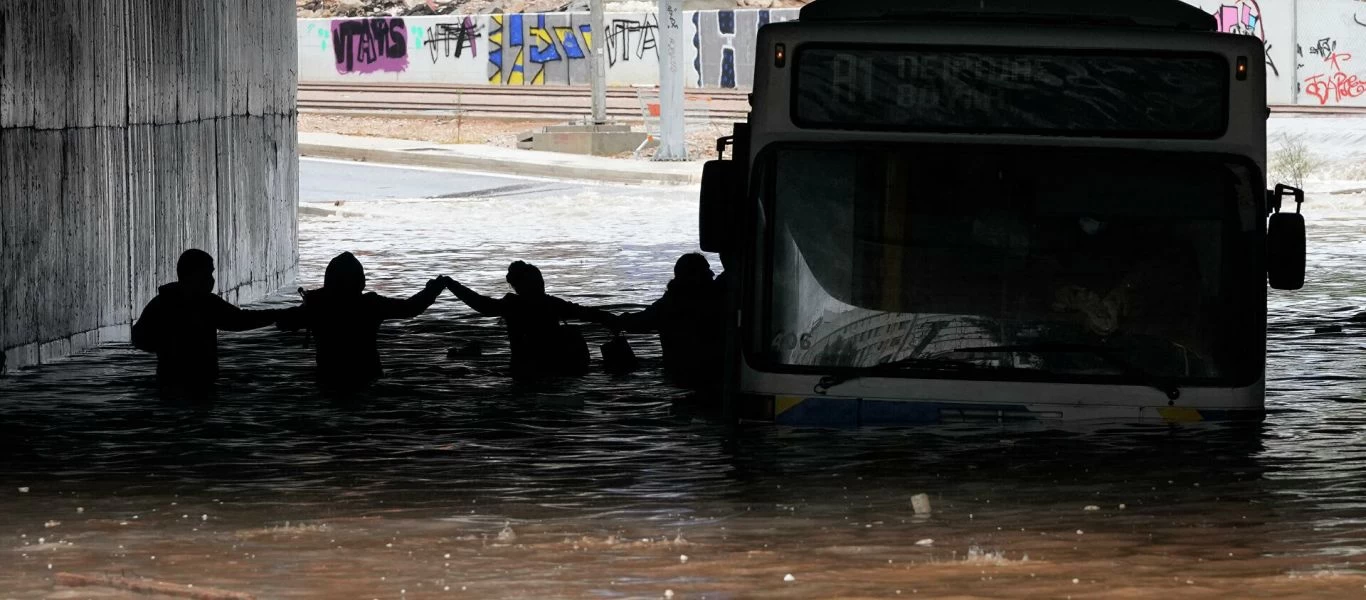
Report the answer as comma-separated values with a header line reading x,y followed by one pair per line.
x,y
885,254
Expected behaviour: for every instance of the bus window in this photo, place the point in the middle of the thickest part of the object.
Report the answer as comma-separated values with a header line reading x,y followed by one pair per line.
x,y
881,253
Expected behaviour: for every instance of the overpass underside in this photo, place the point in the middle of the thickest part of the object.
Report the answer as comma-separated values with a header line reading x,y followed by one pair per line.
x,y
131,130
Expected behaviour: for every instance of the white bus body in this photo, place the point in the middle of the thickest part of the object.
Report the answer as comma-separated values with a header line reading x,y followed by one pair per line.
x,y
932,219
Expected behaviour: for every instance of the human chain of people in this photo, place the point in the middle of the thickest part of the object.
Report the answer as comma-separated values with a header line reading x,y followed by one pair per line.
x,y
181,324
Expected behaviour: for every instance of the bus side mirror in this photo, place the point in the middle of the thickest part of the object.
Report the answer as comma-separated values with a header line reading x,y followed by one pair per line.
x,y
1285,252
716,225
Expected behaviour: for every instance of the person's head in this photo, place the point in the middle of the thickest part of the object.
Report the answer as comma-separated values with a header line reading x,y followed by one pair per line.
x,y
525,279
693,268
344,275
194,269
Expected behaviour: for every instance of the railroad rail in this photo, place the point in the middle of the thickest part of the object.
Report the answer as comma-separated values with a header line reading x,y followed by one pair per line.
x,y
547,102
507,102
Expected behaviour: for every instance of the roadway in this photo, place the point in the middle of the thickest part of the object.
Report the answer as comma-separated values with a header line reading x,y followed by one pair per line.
x,y
333,181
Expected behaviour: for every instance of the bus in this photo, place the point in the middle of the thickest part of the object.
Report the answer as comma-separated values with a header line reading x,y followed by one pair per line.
x,y
999,209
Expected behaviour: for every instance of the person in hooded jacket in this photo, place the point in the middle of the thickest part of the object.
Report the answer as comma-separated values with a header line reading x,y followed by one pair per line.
x,y
181,325
688,319
541,344
344,321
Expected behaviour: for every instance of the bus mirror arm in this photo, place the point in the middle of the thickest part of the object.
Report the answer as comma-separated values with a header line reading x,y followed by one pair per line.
x,y
721,144
1285,249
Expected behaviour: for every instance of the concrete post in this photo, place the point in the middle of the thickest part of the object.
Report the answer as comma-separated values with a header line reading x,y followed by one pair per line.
x,y
598,62
672,141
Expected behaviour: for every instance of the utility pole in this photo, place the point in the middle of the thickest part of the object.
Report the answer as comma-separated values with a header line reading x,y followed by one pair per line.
x,y
598,61
673,144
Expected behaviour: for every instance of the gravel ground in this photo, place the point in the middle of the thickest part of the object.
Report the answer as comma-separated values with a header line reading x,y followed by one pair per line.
x,y
503,133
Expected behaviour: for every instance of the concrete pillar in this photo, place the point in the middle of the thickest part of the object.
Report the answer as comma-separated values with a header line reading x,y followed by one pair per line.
x,y
129,131
673,143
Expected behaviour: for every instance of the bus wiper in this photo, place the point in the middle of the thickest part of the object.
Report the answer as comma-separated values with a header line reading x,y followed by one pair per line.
x,y
907,363
1106,355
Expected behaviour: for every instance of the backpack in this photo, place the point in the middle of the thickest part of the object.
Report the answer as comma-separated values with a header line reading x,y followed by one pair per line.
x,y
617,356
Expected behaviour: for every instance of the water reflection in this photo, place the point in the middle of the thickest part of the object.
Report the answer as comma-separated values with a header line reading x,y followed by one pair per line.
x,y
450,475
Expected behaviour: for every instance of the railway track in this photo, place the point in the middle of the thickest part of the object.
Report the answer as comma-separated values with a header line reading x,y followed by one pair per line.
x,y
508,102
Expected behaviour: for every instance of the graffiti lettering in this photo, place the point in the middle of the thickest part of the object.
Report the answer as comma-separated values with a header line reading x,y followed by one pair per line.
x,y
627,37
452,39
1244,17
727,36
539,49
370,45
1336,85
1325,47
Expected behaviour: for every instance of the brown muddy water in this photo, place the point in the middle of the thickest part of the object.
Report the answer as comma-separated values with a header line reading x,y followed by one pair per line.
x,y
449,481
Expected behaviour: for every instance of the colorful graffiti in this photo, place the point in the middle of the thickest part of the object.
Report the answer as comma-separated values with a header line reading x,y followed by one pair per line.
x,y
539,49
1336,85
1244,17
724,42
370,45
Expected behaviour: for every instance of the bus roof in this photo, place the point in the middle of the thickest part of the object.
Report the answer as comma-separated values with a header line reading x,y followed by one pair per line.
x,y
1165,14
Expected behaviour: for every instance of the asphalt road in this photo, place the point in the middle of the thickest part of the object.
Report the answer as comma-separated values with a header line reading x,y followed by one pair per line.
x,y
332,181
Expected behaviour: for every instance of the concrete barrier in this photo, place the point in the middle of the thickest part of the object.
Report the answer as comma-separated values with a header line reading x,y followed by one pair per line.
x,y
1311,48
130,131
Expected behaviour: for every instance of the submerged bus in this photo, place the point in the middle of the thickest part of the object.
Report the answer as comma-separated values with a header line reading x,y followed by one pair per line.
x,y
1000,209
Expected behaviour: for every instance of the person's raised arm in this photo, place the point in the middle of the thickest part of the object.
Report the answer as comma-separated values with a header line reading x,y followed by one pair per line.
x,y
227,317
569,310
640,322
481,304
394,308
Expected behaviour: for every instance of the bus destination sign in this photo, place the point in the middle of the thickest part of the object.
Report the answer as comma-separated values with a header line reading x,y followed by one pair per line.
x,y
1109,93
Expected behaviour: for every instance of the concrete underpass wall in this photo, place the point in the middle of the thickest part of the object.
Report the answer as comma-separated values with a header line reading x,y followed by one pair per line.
x,y
129,131
1312,48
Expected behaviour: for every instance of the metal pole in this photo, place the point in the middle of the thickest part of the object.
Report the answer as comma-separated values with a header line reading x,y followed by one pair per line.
x,y
598,62
672,141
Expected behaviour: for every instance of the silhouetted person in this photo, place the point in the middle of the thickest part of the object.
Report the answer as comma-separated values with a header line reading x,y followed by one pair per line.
x,y
344,321
541,344
688,319
181,325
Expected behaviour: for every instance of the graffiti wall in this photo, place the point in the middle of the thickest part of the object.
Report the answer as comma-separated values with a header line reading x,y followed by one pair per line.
x,y
527,49
1331,54
1312,47
1273,22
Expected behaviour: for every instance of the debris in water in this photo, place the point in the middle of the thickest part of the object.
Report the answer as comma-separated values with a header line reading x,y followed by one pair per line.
x,y
204,517
668,593
789,578
1075,580
1122,507
80,509
682,558
51,524
23,490
925,542
1079,532
507,534
1091,507
920,503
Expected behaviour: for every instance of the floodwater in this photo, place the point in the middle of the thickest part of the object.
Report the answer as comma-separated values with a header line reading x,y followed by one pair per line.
x,y
449,481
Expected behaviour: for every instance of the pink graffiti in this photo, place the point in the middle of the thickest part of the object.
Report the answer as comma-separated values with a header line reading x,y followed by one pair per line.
x,y
1337,85
370,45
1242,17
